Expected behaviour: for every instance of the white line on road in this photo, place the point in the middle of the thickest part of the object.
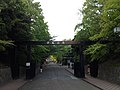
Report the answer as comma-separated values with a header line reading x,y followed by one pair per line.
x,y
73,77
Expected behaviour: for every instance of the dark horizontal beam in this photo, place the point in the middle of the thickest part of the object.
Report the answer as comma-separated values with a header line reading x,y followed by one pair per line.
x,y
86,42
47,42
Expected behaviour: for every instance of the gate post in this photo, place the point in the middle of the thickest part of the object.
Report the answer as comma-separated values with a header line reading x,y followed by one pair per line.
x,y
14,63
82,60
28,63
79,70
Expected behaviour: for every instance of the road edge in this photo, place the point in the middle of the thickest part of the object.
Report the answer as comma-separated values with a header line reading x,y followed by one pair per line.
x,y
84,80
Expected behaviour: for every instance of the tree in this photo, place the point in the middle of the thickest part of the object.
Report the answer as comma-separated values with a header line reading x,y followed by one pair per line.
x,y
40,33
99,19
23,20
60,51
90,26
91,20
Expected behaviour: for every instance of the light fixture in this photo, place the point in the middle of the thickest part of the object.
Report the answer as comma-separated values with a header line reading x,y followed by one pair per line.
x,y
116,29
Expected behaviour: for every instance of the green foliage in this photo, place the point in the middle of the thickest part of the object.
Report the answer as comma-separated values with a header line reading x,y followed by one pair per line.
x,y
23,20
15,25
82,35
60,51
40,53
97,51
110,18
53,58
76,58
75,51
91,17
40,32
100,17
4,44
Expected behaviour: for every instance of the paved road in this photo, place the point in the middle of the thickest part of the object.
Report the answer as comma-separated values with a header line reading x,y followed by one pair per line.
x,y
55,77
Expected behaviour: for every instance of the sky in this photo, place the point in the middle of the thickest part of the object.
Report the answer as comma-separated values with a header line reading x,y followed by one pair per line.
x,y
62,17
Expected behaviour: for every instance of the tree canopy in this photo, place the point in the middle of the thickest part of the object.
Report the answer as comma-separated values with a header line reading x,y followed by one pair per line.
x,y
100,17
23,20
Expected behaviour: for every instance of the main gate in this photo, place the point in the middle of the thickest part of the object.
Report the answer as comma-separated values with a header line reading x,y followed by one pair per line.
x,y
30,67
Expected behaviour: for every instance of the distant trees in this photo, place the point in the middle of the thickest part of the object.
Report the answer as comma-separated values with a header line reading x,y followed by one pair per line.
x,y
100,17
60,51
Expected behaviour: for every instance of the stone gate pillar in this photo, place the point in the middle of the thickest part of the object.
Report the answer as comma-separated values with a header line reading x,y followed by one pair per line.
x,y
82,61
28,63
79,70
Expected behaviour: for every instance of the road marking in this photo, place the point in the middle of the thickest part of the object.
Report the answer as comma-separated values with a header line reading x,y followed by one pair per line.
x,y
73,77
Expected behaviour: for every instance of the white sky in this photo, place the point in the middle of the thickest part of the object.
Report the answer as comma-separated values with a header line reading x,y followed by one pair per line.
x,y
62,16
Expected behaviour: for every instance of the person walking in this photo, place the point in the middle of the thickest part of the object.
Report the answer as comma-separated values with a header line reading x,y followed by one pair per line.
x,y
41,68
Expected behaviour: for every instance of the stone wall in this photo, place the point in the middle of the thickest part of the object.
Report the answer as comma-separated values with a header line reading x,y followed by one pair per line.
x,y
5,75
110,71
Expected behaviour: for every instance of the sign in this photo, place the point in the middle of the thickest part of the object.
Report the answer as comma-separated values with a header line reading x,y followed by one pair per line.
x,y
61,42
28,64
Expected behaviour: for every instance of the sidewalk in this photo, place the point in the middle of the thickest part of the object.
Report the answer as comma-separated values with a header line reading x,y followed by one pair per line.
x,y
103,85
13,85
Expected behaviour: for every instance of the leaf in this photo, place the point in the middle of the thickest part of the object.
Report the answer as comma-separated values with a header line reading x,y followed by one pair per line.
x,y
6,42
